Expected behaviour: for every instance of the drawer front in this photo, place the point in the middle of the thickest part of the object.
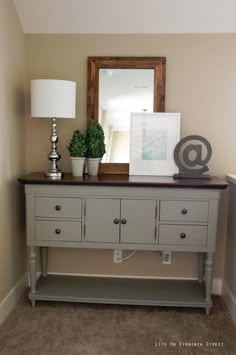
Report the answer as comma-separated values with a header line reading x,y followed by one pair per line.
x,y
63,231
183,235
60,207
184,211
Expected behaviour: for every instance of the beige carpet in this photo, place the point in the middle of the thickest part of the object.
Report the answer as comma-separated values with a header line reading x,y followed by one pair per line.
x,y
53,328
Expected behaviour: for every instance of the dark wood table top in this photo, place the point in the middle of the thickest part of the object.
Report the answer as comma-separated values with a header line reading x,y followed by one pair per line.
x,y
38,178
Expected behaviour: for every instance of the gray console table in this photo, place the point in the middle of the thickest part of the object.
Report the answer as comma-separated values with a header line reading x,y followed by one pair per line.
x,y
122,212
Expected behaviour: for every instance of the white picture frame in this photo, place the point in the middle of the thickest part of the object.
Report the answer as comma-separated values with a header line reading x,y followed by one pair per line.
x,y
153,137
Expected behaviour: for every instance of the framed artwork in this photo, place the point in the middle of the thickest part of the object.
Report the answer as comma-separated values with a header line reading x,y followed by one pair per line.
x,y
153,137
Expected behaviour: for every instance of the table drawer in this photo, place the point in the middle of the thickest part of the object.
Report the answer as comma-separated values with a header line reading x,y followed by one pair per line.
x,y
184,211
60,207
183,235
63,231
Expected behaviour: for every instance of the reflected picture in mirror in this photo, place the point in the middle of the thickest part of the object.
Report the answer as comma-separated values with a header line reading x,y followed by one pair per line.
x,y
122,91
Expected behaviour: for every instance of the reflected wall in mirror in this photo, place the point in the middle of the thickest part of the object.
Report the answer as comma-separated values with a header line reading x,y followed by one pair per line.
x,y
122,91
118,86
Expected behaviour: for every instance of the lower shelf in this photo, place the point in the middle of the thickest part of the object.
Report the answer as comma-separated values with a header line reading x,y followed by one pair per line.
x,y
121,291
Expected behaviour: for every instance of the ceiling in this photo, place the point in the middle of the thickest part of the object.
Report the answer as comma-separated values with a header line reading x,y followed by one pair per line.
x,y
127,16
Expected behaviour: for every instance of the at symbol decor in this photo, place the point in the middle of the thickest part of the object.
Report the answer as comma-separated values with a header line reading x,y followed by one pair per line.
x,y
195,167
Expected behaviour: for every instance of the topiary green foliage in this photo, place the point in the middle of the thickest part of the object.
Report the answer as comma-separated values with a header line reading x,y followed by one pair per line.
x,y
77,147
95,141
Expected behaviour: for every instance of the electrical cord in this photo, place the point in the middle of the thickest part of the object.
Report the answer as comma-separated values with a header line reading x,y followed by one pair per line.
x,y
129,256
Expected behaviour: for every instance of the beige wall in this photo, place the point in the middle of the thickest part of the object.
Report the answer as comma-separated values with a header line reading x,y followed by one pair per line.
x,y
200,83
12,148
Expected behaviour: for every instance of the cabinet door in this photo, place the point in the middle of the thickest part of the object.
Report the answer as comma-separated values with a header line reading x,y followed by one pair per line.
x,y
102,217
138,221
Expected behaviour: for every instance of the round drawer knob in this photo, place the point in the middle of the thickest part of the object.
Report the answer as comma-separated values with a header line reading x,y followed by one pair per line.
x,y
123,221
184,211
57,208
182,235
116,221
57,231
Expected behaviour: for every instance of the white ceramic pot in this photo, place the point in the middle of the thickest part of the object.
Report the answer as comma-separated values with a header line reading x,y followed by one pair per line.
x,y
77,165
93,165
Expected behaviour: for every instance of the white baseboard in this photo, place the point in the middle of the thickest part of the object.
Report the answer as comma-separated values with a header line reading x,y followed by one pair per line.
x,y
12,297
122,276
230,301
216,287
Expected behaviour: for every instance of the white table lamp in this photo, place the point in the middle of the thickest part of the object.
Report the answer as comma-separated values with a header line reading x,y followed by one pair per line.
x,y
55,99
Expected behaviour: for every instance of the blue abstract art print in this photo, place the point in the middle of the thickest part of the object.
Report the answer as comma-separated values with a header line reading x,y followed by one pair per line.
x,y
153,137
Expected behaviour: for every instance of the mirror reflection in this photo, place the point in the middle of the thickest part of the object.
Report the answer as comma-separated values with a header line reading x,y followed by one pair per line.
x,y
122,91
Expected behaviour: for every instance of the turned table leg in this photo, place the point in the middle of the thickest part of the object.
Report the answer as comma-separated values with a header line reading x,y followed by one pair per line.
x,y
209,269
44,260
32,271
201,260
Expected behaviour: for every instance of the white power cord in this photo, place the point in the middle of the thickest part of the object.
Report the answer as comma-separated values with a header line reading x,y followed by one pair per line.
x,y
129,256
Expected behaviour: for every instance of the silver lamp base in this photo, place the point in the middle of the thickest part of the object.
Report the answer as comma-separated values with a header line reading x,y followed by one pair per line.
x,y
56,175
54,156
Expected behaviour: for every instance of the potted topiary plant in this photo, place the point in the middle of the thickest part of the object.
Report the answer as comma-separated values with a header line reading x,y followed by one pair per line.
x,y
95,147
77,149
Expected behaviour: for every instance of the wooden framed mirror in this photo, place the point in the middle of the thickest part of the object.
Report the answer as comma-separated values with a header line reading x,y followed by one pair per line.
x,y
141,75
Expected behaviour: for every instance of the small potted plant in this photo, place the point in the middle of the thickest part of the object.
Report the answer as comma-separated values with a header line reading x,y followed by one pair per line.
x,y
95,147
77,149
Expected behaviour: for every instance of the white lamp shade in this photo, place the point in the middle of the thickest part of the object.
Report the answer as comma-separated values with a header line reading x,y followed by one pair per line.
x,y
53,98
